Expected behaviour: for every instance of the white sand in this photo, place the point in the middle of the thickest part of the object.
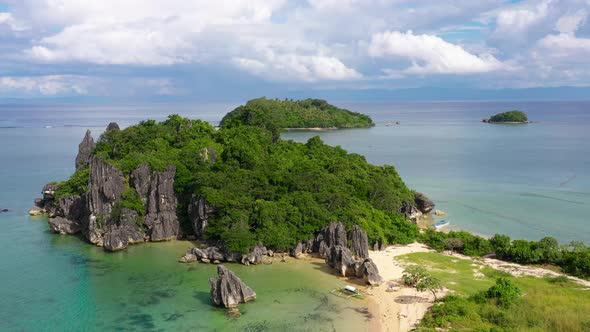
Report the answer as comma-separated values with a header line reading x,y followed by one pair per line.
x,y
401,309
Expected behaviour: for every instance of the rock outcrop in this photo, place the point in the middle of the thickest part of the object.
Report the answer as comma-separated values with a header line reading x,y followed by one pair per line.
x,y
228,290
359,242
423,203
64,226
124,231
199,213
341,259
411,211
84,151
157,191
258,255
105,186
112,126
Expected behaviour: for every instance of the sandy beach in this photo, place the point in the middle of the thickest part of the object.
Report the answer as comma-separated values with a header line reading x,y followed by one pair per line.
x,y
398,308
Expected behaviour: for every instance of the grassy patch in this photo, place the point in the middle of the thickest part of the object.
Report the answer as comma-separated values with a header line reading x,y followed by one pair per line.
x,y
551,304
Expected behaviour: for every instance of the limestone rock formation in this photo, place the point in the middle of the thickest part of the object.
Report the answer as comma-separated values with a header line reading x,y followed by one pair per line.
x,y
112,126
121,233
368,271
228,290
156,189
359,242
410,211
340,258
62,225
105,186
258,255
423,203
84,151
199,213
332,235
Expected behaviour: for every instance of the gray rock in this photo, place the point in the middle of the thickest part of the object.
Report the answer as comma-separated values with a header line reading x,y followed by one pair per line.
x,y
332,235
199,213
113,126
228,290
258,255
64,226
84,151
105,186
340,258
368,271
423,203
410,211
157,190
121,233
72,207
188,258
359,242
209,155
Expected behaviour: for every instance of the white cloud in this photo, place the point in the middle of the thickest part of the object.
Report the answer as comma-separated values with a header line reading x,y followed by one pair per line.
x,y
50,85
8,19
430,54
517,20
570,23
302,67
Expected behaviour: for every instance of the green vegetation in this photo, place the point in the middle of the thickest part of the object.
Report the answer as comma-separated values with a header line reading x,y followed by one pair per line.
x,y
512,116
495,301
274,114
417,276
77,184
574,258
265,190
130,200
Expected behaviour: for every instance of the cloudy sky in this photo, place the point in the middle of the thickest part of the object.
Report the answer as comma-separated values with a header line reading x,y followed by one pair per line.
x,y
146,48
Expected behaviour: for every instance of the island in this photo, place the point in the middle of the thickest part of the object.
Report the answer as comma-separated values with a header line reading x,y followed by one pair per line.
x,y
295,114
238,187
512,117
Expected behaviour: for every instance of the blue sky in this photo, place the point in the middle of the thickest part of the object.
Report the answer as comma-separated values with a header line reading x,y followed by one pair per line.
x,y
178,49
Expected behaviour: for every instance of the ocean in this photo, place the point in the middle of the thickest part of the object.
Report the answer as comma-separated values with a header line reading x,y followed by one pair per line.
x,y
526,181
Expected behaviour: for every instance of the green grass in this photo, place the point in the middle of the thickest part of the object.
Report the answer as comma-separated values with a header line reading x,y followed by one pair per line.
x,y
551,304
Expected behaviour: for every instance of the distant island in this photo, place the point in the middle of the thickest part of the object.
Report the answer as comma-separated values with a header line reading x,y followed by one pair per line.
x,y
275,114
511,117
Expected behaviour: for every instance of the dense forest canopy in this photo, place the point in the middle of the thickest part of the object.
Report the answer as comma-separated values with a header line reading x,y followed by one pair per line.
x,y
264,190
512,116
274,114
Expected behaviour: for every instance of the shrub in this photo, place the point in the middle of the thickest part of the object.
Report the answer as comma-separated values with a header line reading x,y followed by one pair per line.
x,y
504,292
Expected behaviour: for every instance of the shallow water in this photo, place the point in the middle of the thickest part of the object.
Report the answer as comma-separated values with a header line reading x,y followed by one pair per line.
x,y
61,283
526,181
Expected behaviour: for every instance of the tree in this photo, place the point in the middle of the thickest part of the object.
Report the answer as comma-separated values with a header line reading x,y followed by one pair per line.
x,y
416,276
505,292
452,244
500,245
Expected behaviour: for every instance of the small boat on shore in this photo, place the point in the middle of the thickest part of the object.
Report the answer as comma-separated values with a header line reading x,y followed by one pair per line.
x,y
347,292
441,224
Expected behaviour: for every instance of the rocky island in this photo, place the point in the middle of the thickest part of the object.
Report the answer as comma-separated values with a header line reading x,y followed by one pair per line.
x,y
512,117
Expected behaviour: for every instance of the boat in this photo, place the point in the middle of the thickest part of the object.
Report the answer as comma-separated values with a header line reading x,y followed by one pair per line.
x,y
347,292
441,223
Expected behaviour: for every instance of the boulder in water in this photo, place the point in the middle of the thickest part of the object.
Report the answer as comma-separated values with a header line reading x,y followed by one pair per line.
x,y
228,290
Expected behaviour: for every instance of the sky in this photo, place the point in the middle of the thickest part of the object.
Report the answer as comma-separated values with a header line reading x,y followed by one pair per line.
x,y
150,49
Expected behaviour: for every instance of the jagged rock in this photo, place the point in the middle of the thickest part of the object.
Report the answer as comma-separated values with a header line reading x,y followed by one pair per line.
x,y
423,203
156,189
64,226
332,235
359,242
368,271
199,213
106,183
71,207
410,211
112,126
228,290
340,258
84,151
188,258
257,255
214,253
376,246
123,232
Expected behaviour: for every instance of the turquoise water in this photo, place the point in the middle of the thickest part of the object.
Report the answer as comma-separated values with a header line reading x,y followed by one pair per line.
x,y
526,181
52,282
